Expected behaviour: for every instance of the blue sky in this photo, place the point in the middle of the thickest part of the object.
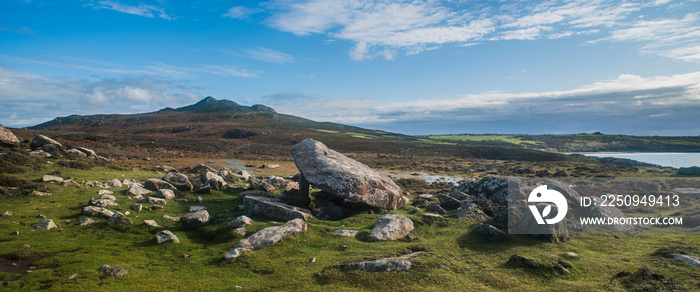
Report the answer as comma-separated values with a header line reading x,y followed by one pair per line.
x,y
413,67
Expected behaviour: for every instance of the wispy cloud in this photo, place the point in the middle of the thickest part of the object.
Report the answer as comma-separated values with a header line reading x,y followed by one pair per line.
x,y
624,101
241,12
268,55
20,30
139,9
29,99
386,28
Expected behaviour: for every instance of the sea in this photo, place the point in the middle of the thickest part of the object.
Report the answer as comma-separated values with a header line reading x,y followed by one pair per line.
x,y
669,159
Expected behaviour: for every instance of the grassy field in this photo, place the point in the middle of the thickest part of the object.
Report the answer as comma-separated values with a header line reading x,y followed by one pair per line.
x,y
452,260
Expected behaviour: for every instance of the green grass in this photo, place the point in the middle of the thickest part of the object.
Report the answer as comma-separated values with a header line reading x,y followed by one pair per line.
x,y
480,138
451,260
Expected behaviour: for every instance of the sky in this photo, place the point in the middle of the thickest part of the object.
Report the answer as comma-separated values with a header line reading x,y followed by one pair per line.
x,y
411,67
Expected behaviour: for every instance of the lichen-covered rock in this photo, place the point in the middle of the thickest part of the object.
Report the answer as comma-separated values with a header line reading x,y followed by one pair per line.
x,y
110,271
344,177
100,212
151,223
266,238
45,224
152,200
43,142
435,208
241,221
165,235
391,227
213,180
7,137
102,202
85,221
52,178
118,218
274,208
115,183
472,212
136,190
195,219
179,180
155,184
165,194
260,185
489,233
346,232
395,264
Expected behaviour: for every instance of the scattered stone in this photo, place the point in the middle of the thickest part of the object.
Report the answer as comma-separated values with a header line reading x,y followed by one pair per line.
x,y
391,227
6,214
89,152
165,235
271,166
435,208
608,211
241,231
102,202
265,238
115,183
571,254
197,208
261,185
179,181
200,168
155,184
343,177
85,221
312,260
277,182
432,215
171,218
346,232
39,194
472,212
128,182
108,197
426,197
181,200
100,212
73,276
213,180
16,233
199,199
155,207
104,192
165,194
45,224
241,221
490,233
152,200
52,178
136,190
119,218
395,264
695,261
274,208
70,183
151,223
110,271
195,219
246,176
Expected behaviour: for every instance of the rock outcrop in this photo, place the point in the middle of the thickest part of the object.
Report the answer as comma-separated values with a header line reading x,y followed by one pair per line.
x,y
266,238
7,137
165,235
346,178
391,227
195,219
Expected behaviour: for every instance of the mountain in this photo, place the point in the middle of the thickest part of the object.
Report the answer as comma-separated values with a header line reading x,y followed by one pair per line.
x,y
219,127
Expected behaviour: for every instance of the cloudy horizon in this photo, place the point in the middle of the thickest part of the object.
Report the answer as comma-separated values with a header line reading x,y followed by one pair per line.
x,y
429,67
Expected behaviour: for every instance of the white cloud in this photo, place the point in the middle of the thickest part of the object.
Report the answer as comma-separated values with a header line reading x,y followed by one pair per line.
x,y
140,9
269,55
241,12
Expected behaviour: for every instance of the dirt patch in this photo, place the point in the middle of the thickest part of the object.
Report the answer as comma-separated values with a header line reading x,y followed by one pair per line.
x,y
18,264
644,280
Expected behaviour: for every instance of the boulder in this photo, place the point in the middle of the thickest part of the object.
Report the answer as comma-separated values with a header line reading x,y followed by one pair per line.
x,y
136,190
488,232
241,221
391,227
435,208
45,224
165,194
260,185
246,176
85,221
45,143
395,264
449,202
155,184
266,238
152,200
102,202
7,137
200,168
274,208
104,192
346,178
70,183
39,194
137,207
77,152
165,235
110,271
100,212
52,178
39,153
179,180
115,183
213,180
195,219
472,212
151,223
118,218
277,182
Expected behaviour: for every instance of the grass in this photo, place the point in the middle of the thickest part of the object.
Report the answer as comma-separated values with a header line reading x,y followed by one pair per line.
x,y
481,138
451,260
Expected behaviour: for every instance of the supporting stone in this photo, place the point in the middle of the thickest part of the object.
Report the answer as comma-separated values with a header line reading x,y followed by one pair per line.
x,y
304,193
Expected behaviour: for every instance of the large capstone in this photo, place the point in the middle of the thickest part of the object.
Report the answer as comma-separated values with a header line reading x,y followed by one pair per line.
x,y
346,178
